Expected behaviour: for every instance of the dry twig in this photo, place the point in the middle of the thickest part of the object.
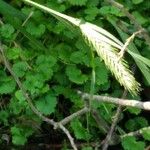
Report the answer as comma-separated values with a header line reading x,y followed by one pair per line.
x,y
114,123
74,115
117,101
136,133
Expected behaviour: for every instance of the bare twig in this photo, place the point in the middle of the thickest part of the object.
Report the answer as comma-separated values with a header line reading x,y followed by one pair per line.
x,y
68,135
118,101
147,148
74,115
132,19
103,126
114,123
136,133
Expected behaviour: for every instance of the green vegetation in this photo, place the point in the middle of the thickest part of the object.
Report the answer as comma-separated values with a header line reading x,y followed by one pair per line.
x,y
51,57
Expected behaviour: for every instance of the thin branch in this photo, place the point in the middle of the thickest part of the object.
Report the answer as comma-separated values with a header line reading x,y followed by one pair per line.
x,y
103,126
116,117
132,19
136,133
114,123
147,148
74,115
118,101
68,135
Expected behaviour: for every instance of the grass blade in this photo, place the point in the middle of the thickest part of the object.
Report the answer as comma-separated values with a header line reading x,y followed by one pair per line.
x,y
19,17
132,50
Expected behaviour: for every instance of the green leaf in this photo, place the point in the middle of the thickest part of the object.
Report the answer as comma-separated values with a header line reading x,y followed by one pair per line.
x,y
19,139
75,75
77,57
101,75
56,5
146,61
36,44
47,104
91,12
79,131
130,143
136,123
93,3
45,74
7,86
133,110
6,31
115,11
64,52
105,10
21,99
37,15
13,53
43,63
19,135
80,57
137,1
4,117
139,18
101,72
44,59
78,2
87,148
146,134
34,83
60,27
17,107
20,68
35,30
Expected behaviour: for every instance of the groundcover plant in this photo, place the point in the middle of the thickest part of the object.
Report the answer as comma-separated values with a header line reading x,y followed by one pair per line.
x,y
74,74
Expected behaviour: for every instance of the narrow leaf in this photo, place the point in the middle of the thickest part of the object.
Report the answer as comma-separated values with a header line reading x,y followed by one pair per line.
x,y
132,50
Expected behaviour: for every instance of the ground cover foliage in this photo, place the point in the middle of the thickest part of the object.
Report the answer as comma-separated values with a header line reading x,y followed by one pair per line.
x,y
53,62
